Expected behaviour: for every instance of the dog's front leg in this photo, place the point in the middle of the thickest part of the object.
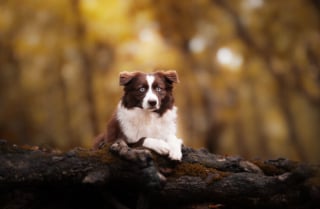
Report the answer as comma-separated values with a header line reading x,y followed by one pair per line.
x,y
175,152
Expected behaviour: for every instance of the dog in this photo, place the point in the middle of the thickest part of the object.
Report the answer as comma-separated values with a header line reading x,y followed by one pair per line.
x,y
146,114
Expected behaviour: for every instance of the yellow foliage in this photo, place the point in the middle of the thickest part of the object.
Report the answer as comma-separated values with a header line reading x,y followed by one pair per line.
x,y
249,70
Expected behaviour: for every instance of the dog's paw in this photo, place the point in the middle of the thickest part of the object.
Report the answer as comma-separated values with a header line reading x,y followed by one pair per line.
x,y
118,145
175,154
175,148
159,146
162,148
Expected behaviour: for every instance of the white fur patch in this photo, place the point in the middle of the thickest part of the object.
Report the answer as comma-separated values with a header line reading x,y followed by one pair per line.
x,y
175,147
137,123
160,132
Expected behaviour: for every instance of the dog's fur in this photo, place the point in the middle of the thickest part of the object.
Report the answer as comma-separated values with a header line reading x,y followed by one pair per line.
x,y
146,114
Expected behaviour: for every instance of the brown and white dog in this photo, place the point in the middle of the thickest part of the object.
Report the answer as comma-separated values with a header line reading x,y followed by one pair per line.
x,y
146,113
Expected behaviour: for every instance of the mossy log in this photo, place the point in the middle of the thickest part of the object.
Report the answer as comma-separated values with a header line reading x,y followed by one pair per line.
x,y
124,177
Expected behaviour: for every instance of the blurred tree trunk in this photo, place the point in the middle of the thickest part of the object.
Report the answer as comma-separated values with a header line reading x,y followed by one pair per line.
x,y
285,106
86,66
17,124
66,108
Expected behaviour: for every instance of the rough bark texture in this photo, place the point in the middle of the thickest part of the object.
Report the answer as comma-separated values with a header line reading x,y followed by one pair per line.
x,y
118,176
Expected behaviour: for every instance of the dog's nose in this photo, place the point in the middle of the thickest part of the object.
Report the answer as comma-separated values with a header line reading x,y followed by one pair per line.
x,y
152,103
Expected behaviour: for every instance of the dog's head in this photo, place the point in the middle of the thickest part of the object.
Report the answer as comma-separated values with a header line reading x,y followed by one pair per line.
x,y
152,91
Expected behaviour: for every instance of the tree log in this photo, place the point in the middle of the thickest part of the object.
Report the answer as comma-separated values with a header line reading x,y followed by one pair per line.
x,y
119,176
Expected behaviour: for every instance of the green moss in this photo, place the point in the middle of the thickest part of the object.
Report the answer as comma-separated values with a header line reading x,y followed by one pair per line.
x,y
195,169
102,154
277,166
269,169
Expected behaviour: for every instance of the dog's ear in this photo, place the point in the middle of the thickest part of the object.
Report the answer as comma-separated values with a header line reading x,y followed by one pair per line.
x,y
171,76
125,78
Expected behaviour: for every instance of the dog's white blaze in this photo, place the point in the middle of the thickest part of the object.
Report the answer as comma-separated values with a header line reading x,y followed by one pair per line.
x,y
150,95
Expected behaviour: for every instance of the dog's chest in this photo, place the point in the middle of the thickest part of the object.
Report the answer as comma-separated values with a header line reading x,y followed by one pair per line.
x,y
137,123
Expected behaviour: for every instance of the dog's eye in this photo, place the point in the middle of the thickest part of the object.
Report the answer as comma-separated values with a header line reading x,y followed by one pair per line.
x,y
158,89
142,89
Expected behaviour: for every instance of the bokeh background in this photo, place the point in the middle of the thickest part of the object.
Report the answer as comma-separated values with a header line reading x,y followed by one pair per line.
x,y
249,70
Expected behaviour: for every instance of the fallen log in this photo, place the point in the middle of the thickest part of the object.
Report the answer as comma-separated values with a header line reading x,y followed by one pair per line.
x,y
119,176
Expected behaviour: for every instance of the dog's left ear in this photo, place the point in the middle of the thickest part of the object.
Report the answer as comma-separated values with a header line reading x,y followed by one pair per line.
x,y
125,78
171,76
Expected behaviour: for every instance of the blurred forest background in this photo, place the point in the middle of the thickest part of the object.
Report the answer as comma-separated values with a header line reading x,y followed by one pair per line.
x,y
249,70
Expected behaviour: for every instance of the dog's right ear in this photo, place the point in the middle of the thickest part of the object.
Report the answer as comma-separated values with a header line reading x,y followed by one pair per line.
x,y
125,78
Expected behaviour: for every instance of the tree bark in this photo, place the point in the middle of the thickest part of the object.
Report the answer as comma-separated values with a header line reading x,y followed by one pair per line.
x,y
119,176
